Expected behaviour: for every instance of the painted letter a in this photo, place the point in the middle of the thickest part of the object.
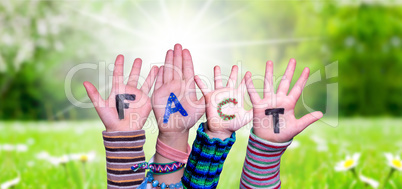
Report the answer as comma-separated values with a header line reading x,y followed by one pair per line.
x,y
169,110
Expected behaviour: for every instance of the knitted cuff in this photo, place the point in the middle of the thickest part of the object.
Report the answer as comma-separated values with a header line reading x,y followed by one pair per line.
x,y
123,149
265,145
261,167
206,160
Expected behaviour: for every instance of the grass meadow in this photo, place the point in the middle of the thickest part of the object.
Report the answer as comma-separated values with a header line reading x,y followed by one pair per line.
x,y
308,163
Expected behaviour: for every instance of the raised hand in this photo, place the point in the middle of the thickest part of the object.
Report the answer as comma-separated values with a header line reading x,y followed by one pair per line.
x,y
289,125
127,107
174,99
224,105
175,106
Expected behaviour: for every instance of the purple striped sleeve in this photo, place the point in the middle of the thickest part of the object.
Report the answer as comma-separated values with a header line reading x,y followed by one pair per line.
x,y
123,149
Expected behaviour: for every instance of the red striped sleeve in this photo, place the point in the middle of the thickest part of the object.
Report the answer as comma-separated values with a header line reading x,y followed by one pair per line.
x,y
262,163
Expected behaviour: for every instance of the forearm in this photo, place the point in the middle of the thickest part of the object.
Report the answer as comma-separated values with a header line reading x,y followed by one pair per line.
x,y
123,150
206,160
262,163
177,141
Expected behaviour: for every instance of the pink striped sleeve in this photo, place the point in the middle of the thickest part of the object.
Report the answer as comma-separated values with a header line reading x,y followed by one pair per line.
x,y
262,163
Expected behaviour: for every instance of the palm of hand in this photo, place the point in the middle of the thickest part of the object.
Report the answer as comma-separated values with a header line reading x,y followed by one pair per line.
x,y
288,124
176,121
177,77
217,122
225,105
135,115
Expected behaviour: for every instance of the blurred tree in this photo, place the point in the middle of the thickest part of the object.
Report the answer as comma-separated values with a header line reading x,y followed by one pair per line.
x,y
294,29
41,40
36,38
366,40
364,37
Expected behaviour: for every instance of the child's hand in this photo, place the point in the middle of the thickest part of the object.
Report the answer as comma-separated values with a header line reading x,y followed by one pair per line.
x,y
176,81
134,103
289,125
175,106
224,105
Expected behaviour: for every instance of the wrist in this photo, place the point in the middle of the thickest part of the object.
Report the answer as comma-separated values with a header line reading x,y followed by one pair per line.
x,y
269,144
221,134
122,129
265,135
123,125
173,136
176,140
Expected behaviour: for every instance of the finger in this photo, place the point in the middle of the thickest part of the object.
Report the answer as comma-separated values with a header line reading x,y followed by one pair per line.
x,y
168,68
248,116
118,72
93,94
268,81
159,78
299,86
149,81
188,73
218,78
308,119
200,108
204,89
233,77
287,78
135,73
188,68
254,97
241,89
177,62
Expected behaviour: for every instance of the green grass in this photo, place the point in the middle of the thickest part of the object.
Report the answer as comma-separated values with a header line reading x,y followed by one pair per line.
x,y
301,167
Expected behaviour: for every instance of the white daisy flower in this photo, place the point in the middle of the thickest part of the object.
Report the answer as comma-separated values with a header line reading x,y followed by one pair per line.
x,y
53,160
42,155
17,147
394,161
8,147
369,181
21,148
63,159
349,163
10,183
84,157
31,141
30,163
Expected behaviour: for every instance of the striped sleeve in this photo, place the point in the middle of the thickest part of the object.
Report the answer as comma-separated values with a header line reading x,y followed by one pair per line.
x,y
123,149
206,159
262,163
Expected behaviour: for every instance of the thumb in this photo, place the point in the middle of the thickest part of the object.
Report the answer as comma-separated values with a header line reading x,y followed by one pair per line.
x,y
200,107
93,94
308,119
248,116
